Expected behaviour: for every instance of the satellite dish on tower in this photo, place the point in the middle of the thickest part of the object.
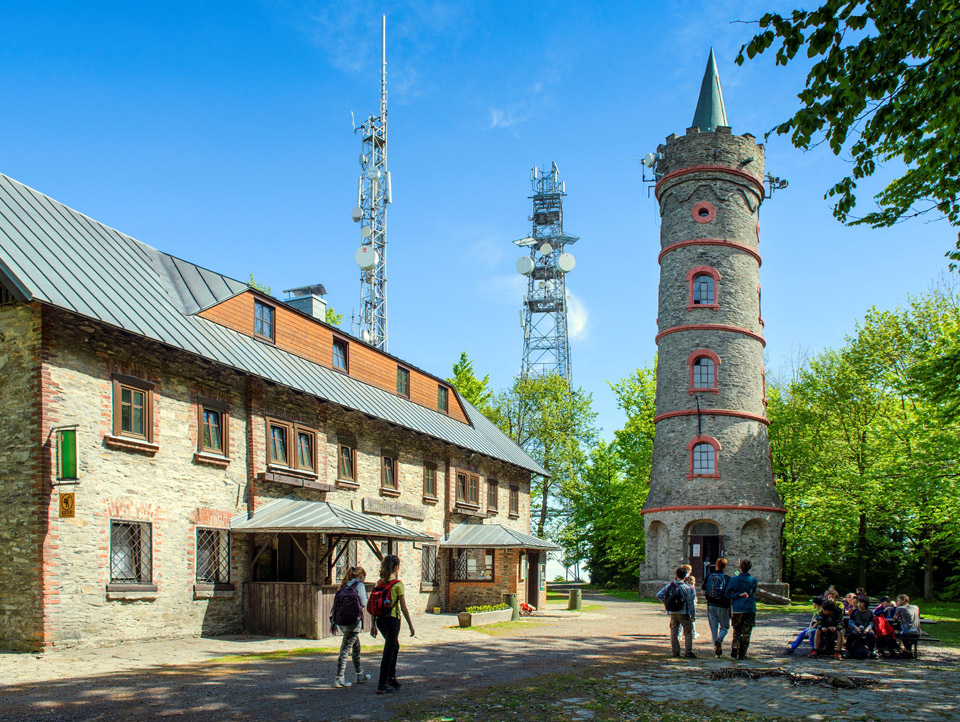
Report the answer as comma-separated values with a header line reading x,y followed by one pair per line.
x,y
366,257
649,159
546,249
566,262
366,231
356,214
525,266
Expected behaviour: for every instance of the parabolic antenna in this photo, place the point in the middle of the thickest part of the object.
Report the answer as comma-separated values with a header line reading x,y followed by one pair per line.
x,y
525,265
365,257
566,262
649,159
546,249
366,231
356,214
373,173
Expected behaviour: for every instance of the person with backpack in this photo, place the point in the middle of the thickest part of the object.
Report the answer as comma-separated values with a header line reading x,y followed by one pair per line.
x,y
347,615
718,606
386,604
679,600
741,591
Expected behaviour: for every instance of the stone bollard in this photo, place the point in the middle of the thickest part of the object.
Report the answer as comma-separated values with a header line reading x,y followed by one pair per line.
x,y
514,603
576,599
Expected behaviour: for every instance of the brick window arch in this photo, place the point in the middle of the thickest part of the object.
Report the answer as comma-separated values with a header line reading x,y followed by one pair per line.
x,y
703,364
704,288
704,457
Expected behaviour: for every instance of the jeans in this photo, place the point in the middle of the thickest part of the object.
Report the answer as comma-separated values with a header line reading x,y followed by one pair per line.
x,y
349,644
676,622
718,619
390,629
807,633
743,624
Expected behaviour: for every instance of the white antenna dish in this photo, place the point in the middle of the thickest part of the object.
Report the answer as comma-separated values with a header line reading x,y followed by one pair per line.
x,y
525,265
366,231
649,159
373,173
366,257
546,249
356,214
365,336
541,284
566,262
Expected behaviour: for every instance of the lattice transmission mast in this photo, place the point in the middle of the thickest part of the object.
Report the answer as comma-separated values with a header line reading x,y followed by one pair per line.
x,y
546,342
373,195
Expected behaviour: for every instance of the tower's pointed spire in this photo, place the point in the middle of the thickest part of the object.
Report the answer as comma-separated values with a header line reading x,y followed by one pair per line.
x,y
710,111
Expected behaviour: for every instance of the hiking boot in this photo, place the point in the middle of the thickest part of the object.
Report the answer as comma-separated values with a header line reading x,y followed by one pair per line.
x,y
393,683
718,648
690,655
341,682
362,677
384,690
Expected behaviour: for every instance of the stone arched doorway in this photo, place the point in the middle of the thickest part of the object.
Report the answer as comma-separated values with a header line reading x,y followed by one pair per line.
x,y
704,546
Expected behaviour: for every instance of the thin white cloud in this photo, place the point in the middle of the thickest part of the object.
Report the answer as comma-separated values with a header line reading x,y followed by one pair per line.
x,y
578,318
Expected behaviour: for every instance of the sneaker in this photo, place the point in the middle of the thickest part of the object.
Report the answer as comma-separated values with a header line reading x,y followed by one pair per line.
x,y
384,690
718,648
690,655
814,653
341,682
393,683
696,635
362,677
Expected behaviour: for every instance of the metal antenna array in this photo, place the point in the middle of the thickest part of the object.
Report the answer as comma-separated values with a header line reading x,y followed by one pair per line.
x,y
546,344
373,195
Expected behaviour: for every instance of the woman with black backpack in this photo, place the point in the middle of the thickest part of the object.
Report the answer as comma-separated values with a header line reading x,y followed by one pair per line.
x,y
347,614
386,603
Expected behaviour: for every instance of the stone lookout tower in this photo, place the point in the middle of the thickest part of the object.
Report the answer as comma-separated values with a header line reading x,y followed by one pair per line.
x,y
711,484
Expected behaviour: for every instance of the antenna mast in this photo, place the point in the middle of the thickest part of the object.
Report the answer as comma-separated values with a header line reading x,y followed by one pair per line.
x,y
546,343
373,195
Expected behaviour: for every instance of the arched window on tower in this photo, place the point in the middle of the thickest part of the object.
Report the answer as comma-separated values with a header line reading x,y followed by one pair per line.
x,y
703,365
703,282
703,451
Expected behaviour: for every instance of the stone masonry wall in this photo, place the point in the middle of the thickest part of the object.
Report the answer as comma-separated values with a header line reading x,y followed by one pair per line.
x,y
21,533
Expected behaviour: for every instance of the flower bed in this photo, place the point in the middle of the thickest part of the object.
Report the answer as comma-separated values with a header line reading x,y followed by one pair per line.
x,y
478,619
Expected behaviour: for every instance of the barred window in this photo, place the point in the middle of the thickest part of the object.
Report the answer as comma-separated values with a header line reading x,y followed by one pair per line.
x,y
428,561
704,460
473,565
704,372
130,552
703,290
213,556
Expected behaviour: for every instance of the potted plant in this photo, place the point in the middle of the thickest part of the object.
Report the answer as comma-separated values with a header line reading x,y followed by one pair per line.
x,y
485,614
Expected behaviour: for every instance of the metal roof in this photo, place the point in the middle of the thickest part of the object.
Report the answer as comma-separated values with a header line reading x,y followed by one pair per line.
x,y
710,109
292,514
488,536
53,254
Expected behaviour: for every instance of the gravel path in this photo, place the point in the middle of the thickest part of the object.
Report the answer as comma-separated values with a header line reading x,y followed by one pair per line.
x,y
129,683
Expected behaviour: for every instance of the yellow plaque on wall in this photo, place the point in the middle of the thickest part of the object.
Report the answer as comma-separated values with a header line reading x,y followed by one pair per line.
x,y
68,506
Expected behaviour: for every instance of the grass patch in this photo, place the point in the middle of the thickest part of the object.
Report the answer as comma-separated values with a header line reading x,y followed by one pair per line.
x,y
540,698
947,616
276,654
501,629
586,607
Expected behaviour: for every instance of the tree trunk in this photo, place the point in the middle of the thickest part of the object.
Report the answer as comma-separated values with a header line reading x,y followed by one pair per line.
x,y
862,552
543,510
928,571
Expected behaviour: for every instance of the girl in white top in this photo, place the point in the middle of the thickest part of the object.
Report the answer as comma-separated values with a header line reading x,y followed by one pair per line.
x,y
350,643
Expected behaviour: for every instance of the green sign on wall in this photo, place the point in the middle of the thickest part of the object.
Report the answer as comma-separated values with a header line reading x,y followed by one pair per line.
x,y
67,454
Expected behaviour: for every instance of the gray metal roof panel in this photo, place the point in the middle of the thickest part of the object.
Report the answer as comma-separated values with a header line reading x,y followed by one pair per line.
x,y
493,536
293,514
68,260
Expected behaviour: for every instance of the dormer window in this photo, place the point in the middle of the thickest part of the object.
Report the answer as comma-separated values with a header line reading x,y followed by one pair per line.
x,y
263,325
442,399
341,356
403,381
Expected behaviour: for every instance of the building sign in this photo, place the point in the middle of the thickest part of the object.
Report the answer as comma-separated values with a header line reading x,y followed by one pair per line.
x,y
393,508
696,551
67,454
68,506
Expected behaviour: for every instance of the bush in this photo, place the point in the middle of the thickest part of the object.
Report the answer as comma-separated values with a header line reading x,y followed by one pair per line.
x,y
559,579
487,608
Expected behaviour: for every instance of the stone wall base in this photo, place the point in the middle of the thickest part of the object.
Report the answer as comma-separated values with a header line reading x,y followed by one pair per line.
x,y
649,588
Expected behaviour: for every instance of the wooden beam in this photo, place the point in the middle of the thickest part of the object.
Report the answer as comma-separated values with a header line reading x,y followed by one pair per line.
x,y
302,550
375,549
262,550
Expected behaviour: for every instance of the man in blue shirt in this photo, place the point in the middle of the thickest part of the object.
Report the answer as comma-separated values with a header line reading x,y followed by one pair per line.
x,y
741,591
680,601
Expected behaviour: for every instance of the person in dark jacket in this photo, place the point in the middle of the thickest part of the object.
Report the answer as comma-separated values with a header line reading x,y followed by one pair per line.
x,y
683,618
861,625
741,591
718,606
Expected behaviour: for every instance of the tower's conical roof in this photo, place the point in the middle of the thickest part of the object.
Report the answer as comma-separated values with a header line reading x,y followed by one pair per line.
x,y
710,111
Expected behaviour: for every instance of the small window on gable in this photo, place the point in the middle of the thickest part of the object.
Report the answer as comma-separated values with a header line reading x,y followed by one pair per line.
x,y
703,290
263,320
341,358
442,398
403,381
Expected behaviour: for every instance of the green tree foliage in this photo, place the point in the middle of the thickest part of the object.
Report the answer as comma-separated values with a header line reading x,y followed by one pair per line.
x,y
256,285
555,425
885,86
866,461
332,317
465,381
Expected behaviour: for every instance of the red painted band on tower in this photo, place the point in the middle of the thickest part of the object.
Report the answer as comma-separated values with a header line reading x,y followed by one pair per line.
x,y
710,327
707,169
715,507
709,242
714,412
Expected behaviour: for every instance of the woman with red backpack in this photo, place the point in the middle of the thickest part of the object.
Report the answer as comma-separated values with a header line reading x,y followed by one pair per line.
x,y
386,603
347,615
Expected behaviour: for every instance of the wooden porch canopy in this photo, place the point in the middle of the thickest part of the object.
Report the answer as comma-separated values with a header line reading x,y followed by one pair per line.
x,y
493,536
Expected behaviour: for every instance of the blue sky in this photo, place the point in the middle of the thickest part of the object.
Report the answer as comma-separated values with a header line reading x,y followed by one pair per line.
x,y
220,132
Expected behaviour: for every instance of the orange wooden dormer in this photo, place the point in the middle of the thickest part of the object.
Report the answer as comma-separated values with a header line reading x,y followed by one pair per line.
x,y
270,321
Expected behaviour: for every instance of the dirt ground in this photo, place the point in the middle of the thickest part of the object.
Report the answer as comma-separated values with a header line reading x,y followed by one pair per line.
x,y
179,680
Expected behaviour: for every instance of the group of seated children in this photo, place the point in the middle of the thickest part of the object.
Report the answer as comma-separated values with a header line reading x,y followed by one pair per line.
x,y
850,628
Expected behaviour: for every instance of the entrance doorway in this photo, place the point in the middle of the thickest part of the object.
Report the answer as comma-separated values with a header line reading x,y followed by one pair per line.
x,y
705,547
533,578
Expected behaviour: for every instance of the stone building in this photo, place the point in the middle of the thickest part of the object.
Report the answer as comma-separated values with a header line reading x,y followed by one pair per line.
x,y
712,490
185,455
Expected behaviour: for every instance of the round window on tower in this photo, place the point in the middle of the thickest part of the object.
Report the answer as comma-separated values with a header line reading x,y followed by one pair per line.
x,y
704,212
